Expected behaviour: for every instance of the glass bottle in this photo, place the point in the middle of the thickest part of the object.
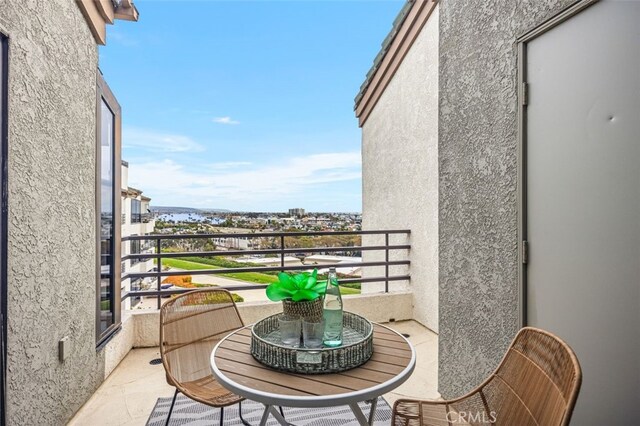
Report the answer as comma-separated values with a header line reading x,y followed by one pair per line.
x,y
332,311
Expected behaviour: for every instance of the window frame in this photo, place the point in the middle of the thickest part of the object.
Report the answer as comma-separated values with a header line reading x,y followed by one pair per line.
x,y
104,93
136,285
4,194
135,247
136,216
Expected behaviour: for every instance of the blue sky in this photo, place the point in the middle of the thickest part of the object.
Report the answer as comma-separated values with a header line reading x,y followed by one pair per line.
x,y
245,105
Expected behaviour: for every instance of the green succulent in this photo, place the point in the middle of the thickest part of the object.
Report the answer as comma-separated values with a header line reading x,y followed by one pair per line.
x,y
298,287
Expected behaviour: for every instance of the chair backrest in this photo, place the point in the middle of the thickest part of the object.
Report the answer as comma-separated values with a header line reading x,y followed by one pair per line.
x,y
536,383
190,326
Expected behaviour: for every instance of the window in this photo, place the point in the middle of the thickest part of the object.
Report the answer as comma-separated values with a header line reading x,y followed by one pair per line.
x,y
136,285
135,249
136,213
108,203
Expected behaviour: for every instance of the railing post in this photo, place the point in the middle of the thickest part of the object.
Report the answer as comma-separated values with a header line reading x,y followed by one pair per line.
x,y
386,266
282,251
159,271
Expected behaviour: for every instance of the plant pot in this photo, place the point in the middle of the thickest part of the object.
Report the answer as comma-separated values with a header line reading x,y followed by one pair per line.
x,y
310,310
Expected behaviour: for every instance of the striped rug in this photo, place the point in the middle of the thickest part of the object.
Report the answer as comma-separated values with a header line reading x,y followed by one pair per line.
x,y
187,412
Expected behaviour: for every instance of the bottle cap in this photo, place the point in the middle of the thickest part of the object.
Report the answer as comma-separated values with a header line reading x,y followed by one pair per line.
x,y
332,269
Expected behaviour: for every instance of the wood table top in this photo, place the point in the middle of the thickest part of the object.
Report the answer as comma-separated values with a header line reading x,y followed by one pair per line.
x,y
393,358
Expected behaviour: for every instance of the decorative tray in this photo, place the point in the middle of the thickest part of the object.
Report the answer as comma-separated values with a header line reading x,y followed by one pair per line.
x,y
356,349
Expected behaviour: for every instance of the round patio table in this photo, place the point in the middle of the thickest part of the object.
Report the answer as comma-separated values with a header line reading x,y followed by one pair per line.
x,y
391,365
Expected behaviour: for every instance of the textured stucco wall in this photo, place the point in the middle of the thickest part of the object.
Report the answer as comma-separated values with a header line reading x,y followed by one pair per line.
x,y
120,345
400,169
478,183
52,249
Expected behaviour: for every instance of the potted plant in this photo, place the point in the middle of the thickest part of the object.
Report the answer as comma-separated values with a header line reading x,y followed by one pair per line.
x,y
301,294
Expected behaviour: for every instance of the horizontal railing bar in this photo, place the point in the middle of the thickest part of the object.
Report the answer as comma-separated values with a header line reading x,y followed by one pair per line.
x,y
280,252
374,279
186,290
264,251
266,269
254,287
261,234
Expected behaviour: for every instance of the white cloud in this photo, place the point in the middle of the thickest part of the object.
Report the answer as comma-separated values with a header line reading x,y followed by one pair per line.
x,y
225,120
170,182
158,142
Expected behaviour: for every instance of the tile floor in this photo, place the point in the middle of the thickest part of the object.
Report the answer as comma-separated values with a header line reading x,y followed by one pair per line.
x,y
129,394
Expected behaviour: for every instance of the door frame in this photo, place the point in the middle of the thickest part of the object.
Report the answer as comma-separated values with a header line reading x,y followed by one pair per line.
x,y
523,95
4,211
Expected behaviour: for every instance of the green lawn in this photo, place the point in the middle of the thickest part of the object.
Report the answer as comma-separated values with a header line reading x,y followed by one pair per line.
x,y
185,264
252,277
347,290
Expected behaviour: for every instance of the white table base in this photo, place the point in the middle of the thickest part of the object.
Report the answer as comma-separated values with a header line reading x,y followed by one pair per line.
x,y
362,420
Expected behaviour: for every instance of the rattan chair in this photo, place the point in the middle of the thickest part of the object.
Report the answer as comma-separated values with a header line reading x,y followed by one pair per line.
x,y
536,383
190,326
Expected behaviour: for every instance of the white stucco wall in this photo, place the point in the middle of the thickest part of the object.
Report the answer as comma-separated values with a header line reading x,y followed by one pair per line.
x,y
400,169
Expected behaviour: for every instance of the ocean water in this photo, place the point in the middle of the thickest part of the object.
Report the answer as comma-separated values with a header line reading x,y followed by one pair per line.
x,y
189,217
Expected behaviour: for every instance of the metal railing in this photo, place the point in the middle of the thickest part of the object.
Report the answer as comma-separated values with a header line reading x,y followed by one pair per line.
x,y
141,217
281,251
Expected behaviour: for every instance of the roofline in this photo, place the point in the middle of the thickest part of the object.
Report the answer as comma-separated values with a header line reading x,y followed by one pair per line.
x,y
99,13
129,191
407,26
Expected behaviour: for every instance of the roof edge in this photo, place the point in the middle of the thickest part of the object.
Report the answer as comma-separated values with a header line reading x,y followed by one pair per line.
x,y
99,13
406,28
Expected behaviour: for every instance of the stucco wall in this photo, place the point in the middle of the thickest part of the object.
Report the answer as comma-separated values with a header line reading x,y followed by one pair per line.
x,y
51,259
478,183
400,169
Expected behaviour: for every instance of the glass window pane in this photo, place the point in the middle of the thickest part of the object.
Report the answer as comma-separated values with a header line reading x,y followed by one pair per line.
x,y
136,216
107,305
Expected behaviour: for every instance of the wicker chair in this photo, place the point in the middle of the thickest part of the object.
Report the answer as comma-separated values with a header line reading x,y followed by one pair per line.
x,y
190,326
536,383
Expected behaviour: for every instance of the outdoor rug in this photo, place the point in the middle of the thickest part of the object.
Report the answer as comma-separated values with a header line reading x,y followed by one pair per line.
x,y
187,412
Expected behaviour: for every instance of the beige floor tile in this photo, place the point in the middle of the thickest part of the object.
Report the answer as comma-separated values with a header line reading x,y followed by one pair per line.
x,y
417,332
141,421
103,409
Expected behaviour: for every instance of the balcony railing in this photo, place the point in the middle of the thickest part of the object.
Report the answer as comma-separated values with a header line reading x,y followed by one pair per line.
x,y
277,246
140,217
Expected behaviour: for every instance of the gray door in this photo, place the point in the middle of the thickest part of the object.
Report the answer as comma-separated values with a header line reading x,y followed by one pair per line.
x,y
583,201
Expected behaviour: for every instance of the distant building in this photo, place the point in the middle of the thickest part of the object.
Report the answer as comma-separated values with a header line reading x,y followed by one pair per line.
x,y
232,243
136,220
296,212
324,259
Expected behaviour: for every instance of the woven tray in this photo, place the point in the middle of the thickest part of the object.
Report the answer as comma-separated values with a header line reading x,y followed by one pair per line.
x,y
356,349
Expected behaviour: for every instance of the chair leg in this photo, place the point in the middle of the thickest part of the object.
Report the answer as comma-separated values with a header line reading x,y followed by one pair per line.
x,y
173,401
281,412
244,422
221,416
